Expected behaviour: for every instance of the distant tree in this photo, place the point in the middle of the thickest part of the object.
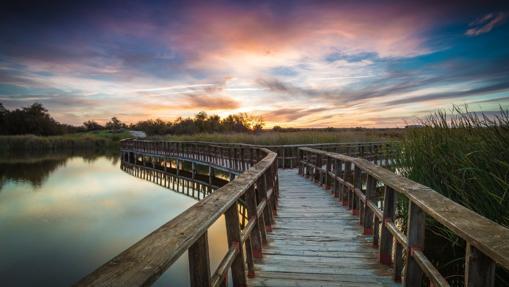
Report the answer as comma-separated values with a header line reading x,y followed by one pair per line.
x,y
92,126
257,123
115,124
153,127
3,110
34,119
3,115
213,124
200,121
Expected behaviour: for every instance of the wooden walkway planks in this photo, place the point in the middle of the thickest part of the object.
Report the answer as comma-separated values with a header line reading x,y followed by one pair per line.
x,y
316,242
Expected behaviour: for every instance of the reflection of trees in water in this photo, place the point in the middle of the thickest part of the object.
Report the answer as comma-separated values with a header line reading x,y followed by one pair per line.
x,y
34,172
36,167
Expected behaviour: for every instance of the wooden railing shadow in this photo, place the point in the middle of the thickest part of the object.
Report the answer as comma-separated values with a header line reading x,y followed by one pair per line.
x,y
355,181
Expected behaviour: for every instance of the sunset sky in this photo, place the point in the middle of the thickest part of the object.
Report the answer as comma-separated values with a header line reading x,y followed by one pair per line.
x,y
296,63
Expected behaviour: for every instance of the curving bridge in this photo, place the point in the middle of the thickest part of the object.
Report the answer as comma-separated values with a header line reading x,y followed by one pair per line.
x,y
331,222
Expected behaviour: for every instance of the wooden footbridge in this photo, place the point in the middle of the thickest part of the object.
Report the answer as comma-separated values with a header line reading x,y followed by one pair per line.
x,y
327,217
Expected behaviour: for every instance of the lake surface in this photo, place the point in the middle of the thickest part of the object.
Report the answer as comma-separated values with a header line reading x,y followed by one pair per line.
x,y
62,216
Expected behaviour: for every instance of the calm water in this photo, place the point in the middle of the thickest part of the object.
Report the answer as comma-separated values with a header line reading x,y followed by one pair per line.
x,y
61,216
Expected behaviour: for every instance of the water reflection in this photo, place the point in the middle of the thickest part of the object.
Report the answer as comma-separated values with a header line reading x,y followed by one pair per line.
x,y
35,168
85,211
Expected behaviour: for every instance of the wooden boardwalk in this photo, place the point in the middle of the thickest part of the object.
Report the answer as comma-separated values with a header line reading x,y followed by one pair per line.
x,y
316,242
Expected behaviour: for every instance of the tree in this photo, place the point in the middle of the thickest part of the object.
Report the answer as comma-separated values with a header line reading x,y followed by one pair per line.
x,y
92,126
3,115
115,124
153,127
34,119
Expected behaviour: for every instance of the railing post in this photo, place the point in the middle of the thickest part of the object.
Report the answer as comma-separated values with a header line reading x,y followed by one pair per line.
x,y
268,208
388,216
256,241
283,155
346,175
233,234
357,184
299,163
318,166
262,219
335,184
415,235
327,175
368,213
199,263
479,268
398,261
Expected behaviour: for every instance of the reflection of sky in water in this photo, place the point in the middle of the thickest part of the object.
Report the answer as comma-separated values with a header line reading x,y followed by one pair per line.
x,y
82,215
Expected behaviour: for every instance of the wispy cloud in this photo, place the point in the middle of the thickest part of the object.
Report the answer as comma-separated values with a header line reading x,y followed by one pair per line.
x,y
178,87
486,23
290,114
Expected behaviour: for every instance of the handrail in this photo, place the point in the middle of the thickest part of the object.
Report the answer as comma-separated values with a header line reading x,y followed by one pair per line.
x,y
487,241
145,261
380,151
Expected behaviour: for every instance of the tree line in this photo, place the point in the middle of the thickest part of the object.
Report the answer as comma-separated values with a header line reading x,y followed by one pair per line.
x,y
35,119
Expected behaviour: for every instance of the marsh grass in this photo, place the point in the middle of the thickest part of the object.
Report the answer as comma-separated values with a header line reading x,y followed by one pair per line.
x,y
464,156
88,140
295,137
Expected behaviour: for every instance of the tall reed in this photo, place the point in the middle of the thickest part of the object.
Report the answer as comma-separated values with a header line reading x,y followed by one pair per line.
x,y
464,156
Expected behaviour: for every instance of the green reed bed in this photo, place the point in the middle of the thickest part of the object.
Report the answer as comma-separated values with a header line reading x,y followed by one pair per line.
x,y
294,137
465,157
88,140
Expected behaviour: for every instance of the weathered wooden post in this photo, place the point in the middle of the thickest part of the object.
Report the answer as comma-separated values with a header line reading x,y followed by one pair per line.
x,y
262,219
299,163
268,208
256,241
346,176
211,179
398,261
388,216
357,184
479,268
234,241
199,263
335,184
415,235
328,167
368,213
318,166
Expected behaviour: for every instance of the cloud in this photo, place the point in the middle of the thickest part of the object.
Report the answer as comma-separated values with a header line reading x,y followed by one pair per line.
x,y
485,24
497,87
209,102
290,114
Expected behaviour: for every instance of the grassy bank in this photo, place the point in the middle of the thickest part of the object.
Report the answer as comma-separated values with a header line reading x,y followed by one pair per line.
x,y
88,140
295,137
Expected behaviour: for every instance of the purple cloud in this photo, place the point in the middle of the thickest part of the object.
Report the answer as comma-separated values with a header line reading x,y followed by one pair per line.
x,y
486,23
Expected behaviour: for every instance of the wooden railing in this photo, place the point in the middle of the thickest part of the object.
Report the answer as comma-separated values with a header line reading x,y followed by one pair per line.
x,y
354,182
253,174
380,152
